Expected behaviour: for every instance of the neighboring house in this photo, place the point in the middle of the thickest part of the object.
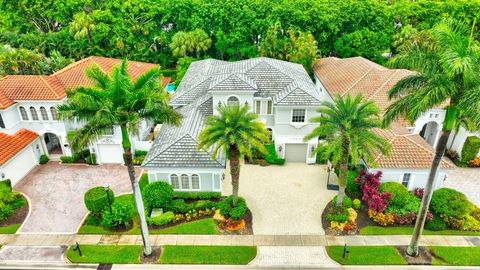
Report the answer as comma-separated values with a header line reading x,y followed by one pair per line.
x,y
412,144
30,101
19,153
280,93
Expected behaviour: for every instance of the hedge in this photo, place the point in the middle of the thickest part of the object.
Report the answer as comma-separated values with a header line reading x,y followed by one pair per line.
x,y
451,203
96,199
470,148
158,194
196,195
162,219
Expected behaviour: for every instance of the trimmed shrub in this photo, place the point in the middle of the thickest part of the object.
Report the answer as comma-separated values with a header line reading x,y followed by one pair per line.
x,y
158,194
356,204
470,148
235,213
9,201
352,188
436,224
476,214
69,159
471,224
91,159
179,206
196,195
162,219
450,203
43,159
272,157
121,215
6,185
346,202
140,153
96,199
402,201
337,214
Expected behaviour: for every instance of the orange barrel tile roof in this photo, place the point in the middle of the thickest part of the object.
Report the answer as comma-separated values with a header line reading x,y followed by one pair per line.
x,y
10,145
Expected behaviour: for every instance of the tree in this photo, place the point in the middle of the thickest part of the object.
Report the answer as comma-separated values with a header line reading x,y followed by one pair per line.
x,y
446,72
116,100
347,125
236,132
364,43
82,26
464,121
275,44
186,43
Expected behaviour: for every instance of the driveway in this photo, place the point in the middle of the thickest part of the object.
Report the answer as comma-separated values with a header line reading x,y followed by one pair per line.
x,y
56,194
466,180
284,200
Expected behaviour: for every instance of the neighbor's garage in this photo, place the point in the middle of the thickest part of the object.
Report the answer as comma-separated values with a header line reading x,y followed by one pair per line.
x,y
296,152
110,153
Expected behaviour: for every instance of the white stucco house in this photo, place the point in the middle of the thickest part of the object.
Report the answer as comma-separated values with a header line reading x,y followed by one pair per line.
x,y
29,102
412,144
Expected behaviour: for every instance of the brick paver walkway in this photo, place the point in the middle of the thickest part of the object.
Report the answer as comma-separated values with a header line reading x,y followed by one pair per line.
x,y
235,240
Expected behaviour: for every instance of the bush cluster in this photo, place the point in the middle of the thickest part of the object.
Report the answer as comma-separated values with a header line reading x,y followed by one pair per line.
x,y
436,224
346,202
96,199
235,213
402,201
357,204
336,213
158,194
450,203
43,159
9,200
352,187
121,215
196,195
272,157
180,206
139,156
91,159
162,219
470,148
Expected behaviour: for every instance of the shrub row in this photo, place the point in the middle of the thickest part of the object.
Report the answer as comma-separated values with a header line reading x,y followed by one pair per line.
x,y
181,207
162,219
196,195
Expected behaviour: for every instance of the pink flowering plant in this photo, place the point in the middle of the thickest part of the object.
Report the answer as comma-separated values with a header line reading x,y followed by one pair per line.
x,y
369,183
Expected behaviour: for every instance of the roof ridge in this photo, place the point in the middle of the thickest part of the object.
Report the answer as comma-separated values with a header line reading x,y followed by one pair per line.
x,y
49,87
72,65
156,155
207,152
383,84
358,81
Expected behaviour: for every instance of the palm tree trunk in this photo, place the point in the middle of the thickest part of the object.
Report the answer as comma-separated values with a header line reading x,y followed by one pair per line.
x,y
147,248
234,172
412,249
342,178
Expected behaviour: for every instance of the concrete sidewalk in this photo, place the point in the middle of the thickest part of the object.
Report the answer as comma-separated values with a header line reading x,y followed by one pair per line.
x,y
234,240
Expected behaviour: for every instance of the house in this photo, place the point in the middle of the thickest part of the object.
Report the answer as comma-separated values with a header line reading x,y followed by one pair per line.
x,y
19,153
29,102
412,144
280,93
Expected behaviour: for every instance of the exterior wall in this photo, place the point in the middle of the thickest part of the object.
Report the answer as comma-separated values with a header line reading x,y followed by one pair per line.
x,y
219,96
418,179
10,118
460,139
323,92
22,163
433,115
210,178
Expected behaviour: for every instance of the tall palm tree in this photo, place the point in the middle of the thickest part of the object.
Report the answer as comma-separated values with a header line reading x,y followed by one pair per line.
x,y
446,72
82,26
116,100
347,125
236,132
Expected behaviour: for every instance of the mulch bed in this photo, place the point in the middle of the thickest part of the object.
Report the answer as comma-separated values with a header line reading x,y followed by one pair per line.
x,y
330,231
153,258
17,218
424,258
245,231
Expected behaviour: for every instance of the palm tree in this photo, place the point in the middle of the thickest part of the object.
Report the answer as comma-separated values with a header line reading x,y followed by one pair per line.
x,y
115,100
446,72
185,43
82,26
236,132
347,125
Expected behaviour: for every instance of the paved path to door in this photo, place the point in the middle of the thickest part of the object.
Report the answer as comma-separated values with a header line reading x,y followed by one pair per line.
x,y
284,200
466,180
56,194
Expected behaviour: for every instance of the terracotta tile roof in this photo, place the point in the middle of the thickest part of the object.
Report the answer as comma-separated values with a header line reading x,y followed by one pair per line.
x,y
10,145
43,87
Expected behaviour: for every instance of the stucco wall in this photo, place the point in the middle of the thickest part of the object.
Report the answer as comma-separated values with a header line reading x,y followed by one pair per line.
x,y
210,179
418,179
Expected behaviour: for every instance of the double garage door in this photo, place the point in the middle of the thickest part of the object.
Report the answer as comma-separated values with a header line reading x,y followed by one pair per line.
x,y
296,152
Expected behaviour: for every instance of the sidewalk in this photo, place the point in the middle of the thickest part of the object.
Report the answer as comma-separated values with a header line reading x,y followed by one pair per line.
x,y
234,240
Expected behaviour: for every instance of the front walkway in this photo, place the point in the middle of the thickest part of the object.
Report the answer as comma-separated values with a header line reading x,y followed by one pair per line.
x,y
284,200
466,180
56,191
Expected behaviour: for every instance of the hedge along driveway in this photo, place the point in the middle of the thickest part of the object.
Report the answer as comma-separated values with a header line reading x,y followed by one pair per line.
x,y
56,194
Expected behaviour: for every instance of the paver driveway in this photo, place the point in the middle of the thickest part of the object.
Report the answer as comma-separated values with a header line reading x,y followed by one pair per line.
x,y
56,194
466,180
286,200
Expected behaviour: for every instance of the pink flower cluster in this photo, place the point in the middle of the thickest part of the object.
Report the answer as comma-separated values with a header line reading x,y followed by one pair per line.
x,y
369,183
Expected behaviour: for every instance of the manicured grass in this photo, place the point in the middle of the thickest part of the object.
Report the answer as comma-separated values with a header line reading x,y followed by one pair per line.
x,y
10,229
207,254
456,256
105,254
367,255
202,226
379,230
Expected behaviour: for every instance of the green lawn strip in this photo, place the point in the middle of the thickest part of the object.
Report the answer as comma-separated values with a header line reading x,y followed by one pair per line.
x,y
11,229
457,256
207,254
202,226
105,254
378,230
367,255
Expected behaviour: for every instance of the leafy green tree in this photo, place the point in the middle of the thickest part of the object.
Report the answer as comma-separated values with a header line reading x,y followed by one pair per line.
x,y
235,131
446,72
116,100
304,49
347,126
187,43
364,43
275,44
82,26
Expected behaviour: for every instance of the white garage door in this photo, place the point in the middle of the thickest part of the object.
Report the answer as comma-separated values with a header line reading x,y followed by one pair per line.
x,y
296,152
19,166
110,153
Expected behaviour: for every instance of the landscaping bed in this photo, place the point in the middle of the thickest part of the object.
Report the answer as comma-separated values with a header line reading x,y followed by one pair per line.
x,y
13,208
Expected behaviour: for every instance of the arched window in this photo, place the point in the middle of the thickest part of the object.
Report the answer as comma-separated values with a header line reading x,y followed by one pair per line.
x,y
24,114
174,181
53,111
195,181
185,182
34,114
44,114
232,101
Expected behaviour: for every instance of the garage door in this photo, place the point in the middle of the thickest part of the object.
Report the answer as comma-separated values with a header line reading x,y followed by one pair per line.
x,y
110,153
296,152
17,167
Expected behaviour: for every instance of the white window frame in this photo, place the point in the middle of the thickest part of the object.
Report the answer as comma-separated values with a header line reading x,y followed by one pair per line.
x,y
270,107
54,116
402,177
34,113
178,179
190,183
199,182
304,119
258,107
228,102
219,182
44,116
26,118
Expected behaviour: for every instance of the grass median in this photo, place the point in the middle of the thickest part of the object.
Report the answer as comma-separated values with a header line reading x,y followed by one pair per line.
x,y
366,255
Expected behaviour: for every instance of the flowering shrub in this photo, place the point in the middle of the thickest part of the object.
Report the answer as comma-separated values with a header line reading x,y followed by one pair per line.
x,y
382,219
418,192
369,184
405,219
471,224
454,223
474,162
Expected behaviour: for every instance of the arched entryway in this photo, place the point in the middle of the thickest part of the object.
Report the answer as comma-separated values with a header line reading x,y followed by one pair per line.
x,y
53,144
429,132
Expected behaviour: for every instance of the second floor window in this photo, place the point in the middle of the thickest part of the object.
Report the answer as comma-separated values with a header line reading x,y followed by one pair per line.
x,y
23,113
44,114
34,114
269,107
258,106
53,111
298,116
232,101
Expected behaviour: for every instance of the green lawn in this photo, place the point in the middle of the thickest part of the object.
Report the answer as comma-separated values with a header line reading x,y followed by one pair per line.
x,y
10,229
379,230
457,256
202,226
367,255
105,254
207,254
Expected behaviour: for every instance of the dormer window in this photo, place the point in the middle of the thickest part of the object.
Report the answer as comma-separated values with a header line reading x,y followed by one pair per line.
x,y
232,100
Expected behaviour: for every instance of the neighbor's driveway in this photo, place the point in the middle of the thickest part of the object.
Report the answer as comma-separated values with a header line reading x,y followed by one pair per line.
x,y
285,200
467,181
56,194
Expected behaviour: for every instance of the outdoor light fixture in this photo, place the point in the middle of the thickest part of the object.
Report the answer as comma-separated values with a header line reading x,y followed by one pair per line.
x,y
107,187
280,149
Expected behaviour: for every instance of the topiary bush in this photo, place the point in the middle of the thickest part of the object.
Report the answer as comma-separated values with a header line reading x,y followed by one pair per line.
x,y
436,224
470,148
356,204
228,211
346,202
96,199
450,203
162,219
121,215
43,159
402,201
158,194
